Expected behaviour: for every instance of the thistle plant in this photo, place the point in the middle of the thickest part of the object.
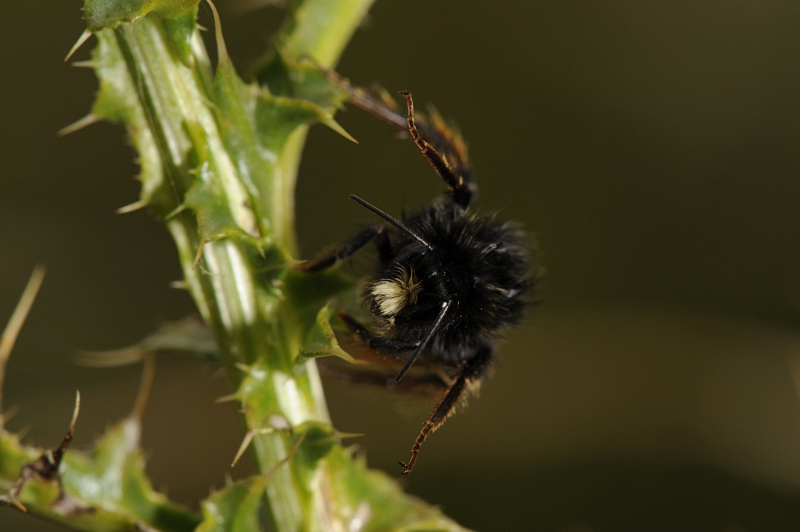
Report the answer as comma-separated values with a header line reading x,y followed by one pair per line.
x,y
219,159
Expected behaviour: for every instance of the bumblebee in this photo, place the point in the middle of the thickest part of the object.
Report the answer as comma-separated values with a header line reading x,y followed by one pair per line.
x,y
447,280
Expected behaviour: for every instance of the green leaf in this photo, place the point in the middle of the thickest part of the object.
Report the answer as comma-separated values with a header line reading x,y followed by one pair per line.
x,y
101,14
313,290
206,197
321,340
112,477
277,117
189,335
301,80
316,441
236,508
313,299
377,502
12,457
120,99
180,29
105,490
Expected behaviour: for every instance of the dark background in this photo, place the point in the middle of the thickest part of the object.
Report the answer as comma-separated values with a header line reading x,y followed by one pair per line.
x,y
651,147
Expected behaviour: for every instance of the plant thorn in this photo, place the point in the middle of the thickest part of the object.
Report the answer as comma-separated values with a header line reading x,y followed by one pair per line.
x,y
245,444
227,398
334,125
82,39
87,120
179,209
84,64
135,206
76,411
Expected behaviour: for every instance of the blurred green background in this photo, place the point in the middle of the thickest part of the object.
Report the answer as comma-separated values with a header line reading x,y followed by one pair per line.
x,y
651,147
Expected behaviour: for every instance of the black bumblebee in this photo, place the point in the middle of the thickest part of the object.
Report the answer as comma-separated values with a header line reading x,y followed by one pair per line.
x,y
447,281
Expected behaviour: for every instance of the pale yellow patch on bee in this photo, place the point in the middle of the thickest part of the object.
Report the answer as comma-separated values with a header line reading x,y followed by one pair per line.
x,y
392,295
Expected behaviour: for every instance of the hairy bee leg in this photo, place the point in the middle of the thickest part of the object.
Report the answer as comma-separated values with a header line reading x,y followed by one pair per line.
x,y
462,190
347,250
470,374
382,346
381,108
444,149
437,417
452,164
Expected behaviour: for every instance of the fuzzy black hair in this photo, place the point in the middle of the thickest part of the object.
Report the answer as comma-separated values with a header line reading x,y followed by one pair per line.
x,y
479,263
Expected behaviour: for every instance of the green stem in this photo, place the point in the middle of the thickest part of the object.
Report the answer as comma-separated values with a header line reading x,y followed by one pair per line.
x,y
320,29
239,295
219,161
323,28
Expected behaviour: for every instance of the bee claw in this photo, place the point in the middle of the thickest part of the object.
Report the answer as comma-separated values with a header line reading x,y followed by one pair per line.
x,y
406,468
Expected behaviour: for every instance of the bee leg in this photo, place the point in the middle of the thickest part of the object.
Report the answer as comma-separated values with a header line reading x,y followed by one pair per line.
x,y
349,249
444,148
446,153
470,374
380,106
382,346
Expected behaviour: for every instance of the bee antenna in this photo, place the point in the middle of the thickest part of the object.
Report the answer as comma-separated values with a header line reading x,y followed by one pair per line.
x,y
434,328
395,222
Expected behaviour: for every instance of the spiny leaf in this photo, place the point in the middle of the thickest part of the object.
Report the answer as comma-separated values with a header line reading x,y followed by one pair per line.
x,y
118,100
206,197
288,114
377,502
236,508
101,14
299,79
180,29
189,335
105,490
308,293
321,341
13,455
112,477
318,439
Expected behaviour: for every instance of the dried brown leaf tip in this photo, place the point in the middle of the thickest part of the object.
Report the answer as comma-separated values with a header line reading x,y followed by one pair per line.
x,y
46,468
